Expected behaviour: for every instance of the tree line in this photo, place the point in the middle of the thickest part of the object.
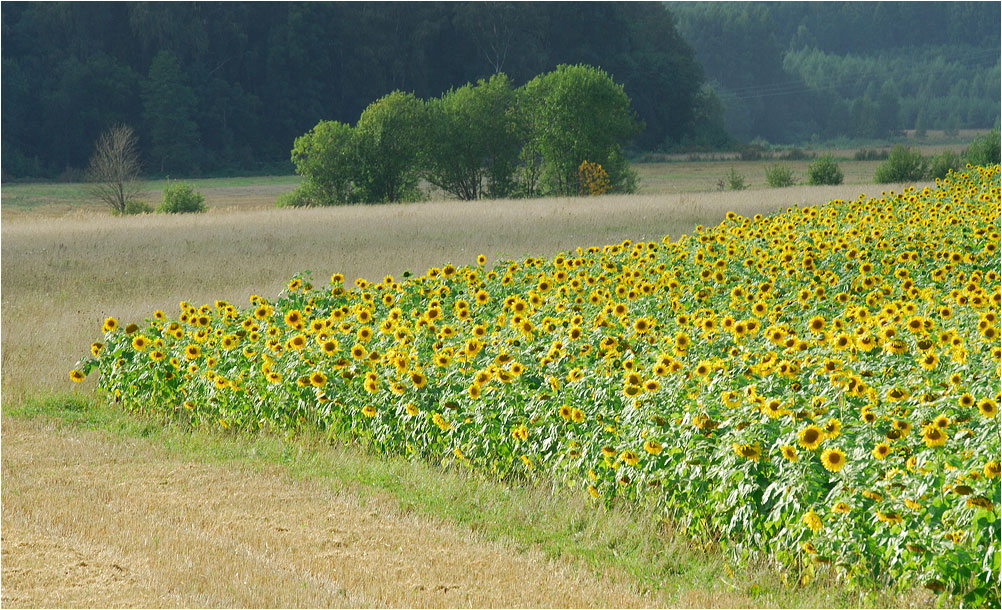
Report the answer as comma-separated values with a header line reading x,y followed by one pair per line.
x,y
213,87
788,72
559,134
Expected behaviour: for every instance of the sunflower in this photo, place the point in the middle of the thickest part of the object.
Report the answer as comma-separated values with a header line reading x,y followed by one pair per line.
x,y
745,450
789,452
933,436
810,437
110,324
988,407
630,457
841,507
318,379
440,421
812,520
192,352
294,319
369,411
992,469
77,376
474,391
833,459
652,446
880,450
418,379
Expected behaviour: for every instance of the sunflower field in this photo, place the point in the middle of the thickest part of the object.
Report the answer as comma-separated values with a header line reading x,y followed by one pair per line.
x,y
819,386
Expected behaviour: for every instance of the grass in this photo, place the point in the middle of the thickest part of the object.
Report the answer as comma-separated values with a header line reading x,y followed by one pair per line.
x,y
620,544
63,273
676,176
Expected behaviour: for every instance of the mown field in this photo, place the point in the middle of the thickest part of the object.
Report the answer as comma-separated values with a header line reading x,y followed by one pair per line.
x,y
66,273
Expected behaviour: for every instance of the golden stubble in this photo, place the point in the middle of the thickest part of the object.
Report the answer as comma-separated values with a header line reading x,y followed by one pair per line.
x,y
63,276
90,520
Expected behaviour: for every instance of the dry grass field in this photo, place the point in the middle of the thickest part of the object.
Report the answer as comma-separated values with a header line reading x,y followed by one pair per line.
x,y
91,520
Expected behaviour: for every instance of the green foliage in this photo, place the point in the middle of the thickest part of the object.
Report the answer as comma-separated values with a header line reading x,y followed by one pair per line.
x,y
902,165
169,105
733,181
574,114
984,150
327,157
944,163
472,142
180,198
136,206
387,139
778,176
870,154
299,197
824,170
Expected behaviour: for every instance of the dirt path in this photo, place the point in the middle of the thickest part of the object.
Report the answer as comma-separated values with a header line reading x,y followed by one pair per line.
x,y
91,520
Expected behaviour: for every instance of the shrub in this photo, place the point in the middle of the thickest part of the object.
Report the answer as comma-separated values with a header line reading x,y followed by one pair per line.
x,y
984,151
824,170
135,206
592,179
733,181
943,163
902,165
778,176
299,197
180,198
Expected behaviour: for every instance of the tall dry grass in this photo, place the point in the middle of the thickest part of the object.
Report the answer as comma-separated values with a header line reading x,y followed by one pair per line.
x,y
62,276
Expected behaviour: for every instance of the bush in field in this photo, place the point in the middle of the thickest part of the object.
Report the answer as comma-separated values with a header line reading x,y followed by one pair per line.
x,y
327,158
779,176
180,198
299,197
984,151
943,163
592,179
387,139
573,114
902,165
733,181
136,206
471,143
824,170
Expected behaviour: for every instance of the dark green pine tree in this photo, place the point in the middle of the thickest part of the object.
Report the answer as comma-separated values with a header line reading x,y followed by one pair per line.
x,y
168,107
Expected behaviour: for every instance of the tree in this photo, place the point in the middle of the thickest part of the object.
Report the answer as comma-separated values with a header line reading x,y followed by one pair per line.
x,y
114,168
471,144
576,114
387,137
327,158
169,107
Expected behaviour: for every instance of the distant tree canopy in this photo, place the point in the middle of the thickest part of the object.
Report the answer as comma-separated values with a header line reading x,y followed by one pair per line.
x,y
220,86
788,71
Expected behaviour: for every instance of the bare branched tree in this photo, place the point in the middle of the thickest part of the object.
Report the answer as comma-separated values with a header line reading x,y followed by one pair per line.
x,y
114,168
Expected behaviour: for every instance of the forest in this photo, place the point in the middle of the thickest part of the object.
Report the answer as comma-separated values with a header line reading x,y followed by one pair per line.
x,y
787,72
214,88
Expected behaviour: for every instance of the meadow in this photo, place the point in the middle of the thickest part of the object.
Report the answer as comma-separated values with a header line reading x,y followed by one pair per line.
x,y
67,270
